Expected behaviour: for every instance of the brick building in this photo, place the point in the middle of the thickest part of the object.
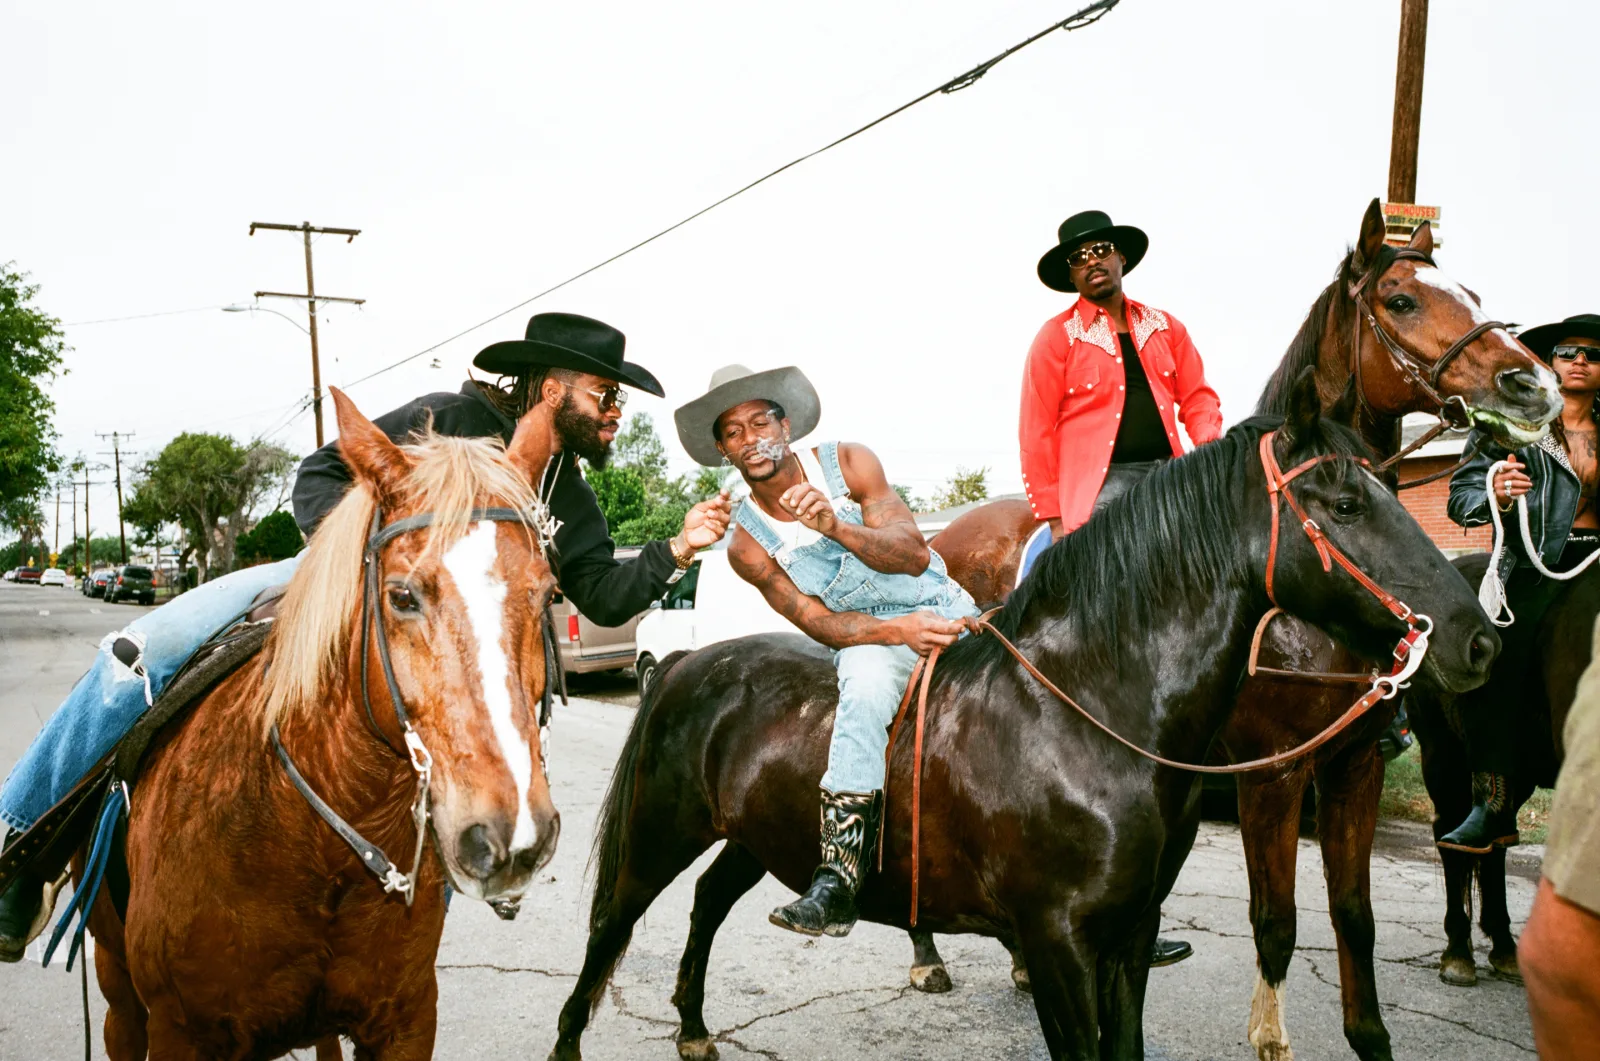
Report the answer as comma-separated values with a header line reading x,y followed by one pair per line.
x,y
1427,503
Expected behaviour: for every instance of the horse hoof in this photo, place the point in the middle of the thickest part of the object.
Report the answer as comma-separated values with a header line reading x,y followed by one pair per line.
x,y
1457,971
697,1050
931,979
1505,966
566,1052
1019,977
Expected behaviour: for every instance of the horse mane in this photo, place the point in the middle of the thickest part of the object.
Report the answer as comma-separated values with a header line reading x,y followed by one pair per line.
x,y
311,639
1173,532
1306,346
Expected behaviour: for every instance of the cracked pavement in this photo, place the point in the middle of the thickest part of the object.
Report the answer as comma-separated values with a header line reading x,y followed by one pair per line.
x,y
782,997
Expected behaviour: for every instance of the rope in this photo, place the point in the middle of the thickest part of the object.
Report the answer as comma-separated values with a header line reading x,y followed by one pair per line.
x,y
1492,591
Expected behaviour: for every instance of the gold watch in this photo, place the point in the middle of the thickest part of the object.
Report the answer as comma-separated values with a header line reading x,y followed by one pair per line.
x,y
683,559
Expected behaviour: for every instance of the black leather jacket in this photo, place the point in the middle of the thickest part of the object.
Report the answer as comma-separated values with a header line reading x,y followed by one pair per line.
x,y
609,592
1552,503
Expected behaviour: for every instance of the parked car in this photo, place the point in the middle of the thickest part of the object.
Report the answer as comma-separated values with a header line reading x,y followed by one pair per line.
x,y
587,647
94,583
710,603
131,580
28,575
53,576
11,576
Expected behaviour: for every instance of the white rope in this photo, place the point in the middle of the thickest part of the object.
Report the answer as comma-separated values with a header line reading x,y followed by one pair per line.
x,y
1492,591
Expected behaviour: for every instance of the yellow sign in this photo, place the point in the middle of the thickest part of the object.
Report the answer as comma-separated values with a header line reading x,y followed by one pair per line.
x,y
1400,220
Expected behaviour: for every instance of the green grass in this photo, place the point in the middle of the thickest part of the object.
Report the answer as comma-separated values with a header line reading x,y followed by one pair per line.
x,y
1406,797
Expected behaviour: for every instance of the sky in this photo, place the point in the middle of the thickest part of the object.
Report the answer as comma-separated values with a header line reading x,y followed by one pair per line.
x,y
489,151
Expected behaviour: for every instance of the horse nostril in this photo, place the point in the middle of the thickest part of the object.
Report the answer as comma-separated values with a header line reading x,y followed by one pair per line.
x,y
1519,383
1481,651
480,852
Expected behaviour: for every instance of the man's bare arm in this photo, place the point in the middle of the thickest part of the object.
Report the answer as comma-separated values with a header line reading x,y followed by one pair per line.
x,y
834,629
889,541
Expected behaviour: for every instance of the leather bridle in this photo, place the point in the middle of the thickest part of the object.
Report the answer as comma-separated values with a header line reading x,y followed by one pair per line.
x,y
372,629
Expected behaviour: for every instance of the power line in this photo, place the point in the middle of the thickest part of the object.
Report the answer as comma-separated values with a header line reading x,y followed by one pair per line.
x,y
1078,20
139,316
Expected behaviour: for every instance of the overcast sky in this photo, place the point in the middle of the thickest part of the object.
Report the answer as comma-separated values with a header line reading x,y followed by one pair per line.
x,y
487,152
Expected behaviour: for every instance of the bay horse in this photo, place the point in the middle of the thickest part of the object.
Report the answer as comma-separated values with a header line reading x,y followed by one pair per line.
x,y
1565,647
252,927
1035,827
1391,335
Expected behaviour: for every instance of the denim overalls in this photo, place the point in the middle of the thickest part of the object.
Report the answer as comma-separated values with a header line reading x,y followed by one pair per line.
x,y
872,678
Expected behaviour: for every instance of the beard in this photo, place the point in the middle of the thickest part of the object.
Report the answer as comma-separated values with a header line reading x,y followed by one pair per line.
x,y
580,434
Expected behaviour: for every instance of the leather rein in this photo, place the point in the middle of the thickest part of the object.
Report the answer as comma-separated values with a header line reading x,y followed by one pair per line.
x,y
370,854
1408,657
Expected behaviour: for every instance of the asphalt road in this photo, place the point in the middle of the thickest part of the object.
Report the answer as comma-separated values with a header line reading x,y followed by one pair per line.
x,y
776,996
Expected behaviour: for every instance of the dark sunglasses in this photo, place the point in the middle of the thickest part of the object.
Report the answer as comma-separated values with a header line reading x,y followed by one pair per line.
x,y
609,396
1590,354
1094,252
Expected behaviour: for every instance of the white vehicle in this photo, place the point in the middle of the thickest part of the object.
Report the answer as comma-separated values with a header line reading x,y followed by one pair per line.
x,y
710,603
53,576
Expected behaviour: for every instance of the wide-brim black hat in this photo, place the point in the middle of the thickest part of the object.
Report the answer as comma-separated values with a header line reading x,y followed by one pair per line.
x,y
732,386
1543,339
1083,228
567,340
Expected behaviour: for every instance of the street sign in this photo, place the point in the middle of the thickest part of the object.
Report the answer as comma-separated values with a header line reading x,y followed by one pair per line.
x,y
1400,220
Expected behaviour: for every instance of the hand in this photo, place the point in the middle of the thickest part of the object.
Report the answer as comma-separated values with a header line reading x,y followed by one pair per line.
x,y
707,522
1511,482
922,632
811,507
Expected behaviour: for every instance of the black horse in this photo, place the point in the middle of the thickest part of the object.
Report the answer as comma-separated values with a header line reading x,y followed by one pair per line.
x,y
1036,828
1565,640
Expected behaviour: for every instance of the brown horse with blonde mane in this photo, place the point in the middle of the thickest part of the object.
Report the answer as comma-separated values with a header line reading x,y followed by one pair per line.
x,y
1391,335
252,927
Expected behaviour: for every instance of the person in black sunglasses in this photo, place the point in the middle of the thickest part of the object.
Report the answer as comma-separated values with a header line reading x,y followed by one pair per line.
x,y
1558,476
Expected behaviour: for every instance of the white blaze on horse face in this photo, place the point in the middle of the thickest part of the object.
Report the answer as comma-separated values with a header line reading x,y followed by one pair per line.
x,y
1435,279
470,562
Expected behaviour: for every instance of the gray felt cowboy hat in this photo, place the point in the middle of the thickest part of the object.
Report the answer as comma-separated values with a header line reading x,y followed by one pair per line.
x,y
734,385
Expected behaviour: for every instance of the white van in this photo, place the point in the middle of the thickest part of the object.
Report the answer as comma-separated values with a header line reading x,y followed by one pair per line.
x,y
710,603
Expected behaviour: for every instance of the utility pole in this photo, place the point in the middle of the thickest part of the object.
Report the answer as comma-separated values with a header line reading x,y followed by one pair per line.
x,y
116,438
88,528
1408,101
311,298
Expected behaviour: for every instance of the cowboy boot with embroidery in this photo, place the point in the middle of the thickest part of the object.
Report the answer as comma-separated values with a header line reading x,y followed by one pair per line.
x,y
19,908
1493,820
849,834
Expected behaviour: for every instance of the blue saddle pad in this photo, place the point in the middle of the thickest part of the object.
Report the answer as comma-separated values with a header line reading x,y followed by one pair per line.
x,y
1037,543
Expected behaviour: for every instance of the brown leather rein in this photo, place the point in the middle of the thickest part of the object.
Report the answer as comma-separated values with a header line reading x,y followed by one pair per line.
x,y
1408,657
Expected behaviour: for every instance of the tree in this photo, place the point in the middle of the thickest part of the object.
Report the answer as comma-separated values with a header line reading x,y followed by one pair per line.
x,y
101,550
640,448
620,490
276,537
31,347
963,487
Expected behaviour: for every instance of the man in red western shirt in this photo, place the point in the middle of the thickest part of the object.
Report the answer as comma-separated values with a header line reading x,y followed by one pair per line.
x,y
1107,381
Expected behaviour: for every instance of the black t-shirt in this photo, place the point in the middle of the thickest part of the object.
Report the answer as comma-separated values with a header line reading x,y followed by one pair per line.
x,y
1141,433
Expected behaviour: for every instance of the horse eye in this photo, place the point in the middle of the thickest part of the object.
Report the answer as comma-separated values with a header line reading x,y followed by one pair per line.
x,y
1347,506
1401,304
402,599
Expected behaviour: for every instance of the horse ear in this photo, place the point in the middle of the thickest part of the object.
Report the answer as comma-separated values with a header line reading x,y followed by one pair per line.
x,y
1371,240
1305,408
370,455
1422,239
530,445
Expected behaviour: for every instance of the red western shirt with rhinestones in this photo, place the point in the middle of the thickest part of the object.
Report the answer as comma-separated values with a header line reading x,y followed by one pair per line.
x,y
1072,398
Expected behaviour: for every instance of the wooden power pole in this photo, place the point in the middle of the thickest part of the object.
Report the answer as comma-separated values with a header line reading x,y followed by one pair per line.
x,y
116,438
1408,101
311,298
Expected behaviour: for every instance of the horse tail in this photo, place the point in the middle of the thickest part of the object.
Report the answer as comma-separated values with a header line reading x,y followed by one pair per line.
x,y
611,835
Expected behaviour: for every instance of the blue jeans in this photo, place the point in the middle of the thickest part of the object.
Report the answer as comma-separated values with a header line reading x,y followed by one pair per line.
x,y
117,689
872,679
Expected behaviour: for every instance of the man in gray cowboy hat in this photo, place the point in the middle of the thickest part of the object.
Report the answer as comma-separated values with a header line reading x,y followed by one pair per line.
x,y
568,367
834,550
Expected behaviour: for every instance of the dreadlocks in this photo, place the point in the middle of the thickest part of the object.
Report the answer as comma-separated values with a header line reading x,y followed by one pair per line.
x,y
515,395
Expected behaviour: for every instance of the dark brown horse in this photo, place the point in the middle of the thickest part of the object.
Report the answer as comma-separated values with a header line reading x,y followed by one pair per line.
x,y
1036,828
1565,643
1362,381
252,928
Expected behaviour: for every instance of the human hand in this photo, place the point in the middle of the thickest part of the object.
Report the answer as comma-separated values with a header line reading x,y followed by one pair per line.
x,y
810,506
922,632
707,522
1511,482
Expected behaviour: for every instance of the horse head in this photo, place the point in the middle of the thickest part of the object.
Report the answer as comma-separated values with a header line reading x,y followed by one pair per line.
x,y
1329,478
460,599
1422,344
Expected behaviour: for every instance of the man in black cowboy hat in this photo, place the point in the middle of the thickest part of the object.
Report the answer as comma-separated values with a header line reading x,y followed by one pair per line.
x,y
1558,475
574,366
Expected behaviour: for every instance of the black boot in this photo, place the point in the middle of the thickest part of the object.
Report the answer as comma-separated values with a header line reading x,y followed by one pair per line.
x,y
1493,821
1168,952
19,907
849,837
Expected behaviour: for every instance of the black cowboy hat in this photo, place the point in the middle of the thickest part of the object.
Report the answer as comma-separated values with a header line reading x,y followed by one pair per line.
x,y
1087,227
566,340
1542,340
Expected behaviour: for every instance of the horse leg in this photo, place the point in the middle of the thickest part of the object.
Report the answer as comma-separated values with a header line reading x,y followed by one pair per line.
x,y
1348,789
928,973
733,873
125,1035
1494,918
1062,971
328,1049
1269,825
1019,967
1121,981
1449,785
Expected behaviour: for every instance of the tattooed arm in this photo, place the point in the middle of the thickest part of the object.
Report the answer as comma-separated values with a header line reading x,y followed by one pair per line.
x,y
890,541
921,631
